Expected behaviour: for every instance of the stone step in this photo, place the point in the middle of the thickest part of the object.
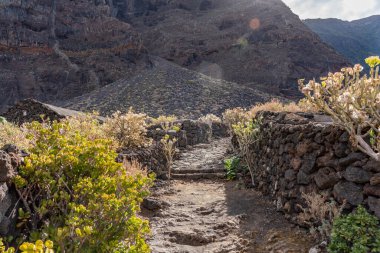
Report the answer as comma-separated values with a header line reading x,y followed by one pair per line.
x,y
195,176
198,171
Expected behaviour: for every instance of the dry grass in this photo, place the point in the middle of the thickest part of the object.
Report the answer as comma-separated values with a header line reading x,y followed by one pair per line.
x,y
209,119
162,119
319,213
135,168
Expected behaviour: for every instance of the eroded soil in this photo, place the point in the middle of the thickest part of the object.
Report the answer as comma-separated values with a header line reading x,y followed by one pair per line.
x,y
217,216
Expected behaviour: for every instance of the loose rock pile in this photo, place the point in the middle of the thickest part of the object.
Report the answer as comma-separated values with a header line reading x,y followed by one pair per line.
x,y
304,153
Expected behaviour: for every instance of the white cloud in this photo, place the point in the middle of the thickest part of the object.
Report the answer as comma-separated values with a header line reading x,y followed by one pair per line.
x,y
342,9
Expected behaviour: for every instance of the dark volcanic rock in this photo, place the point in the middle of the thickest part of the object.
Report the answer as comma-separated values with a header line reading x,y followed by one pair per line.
x,y
374,205
6,169
55,50
349,191
356,175
326,178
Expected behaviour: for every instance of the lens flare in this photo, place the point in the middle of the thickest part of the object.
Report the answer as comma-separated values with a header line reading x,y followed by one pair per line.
x,y
254,24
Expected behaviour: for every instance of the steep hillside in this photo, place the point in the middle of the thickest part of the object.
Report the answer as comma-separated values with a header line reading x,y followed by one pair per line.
x,y
356,39
167,88
254,42
54,50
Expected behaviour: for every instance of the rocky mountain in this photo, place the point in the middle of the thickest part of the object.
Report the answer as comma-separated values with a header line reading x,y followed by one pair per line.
x,y
167,89
356,39
56,50
258,43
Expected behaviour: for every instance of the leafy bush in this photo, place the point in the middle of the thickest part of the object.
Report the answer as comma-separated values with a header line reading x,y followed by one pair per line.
x,y
247,133
235,116
77,195
231,165
357,232
353,102
128,129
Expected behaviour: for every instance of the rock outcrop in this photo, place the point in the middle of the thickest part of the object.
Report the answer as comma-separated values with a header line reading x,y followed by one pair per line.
x,y
55,50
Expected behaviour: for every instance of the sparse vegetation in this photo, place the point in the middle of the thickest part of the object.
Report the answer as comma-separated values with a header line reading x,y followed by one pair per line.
x,y
169,149
319,214
247,133
357,232
231,165
353,102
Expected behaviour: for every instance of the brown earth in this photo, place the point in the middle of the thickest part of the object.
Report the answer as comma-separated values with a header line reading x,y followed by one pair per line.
x,y
217,216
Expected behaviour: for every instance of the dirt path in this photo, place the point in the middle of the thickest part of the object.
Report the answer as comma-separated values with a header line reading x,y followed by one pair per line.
x,y
215,216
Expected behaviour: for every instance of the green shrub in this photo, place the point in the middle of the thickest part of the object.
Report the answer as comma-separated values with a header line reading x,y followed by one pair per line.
x,y
77,195
357,232
231,165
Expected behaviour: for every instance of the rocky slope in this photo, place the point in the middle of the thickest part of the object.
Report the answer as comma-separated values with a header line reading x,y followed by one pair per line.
x,y
167,88
253,42
356,39
56,50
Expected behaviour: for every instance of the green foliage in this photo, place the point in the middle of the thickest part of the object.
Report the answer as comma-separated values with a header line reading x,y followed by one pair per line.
x,y
231,165
77,194
247,133
357,232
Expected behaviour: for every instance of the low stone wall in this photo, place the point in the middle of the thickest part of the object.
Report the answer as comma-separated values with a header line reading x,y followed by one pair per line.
x,y
304,153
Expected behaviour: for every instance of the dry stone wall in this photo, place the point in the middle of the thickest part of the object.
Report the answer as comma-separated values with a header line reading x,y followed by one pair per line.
x,y
304,153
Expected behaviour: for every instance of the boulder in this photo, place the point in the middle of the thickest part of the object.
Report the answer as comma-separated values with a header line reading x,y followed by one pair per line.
x,y
350,192
326,178
351,158
372,165
357,175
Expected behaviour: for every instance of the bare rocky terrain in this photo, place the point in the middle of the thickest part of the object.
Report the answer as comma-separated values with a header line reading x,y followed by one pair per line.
x,y
216,216
167,88
54,50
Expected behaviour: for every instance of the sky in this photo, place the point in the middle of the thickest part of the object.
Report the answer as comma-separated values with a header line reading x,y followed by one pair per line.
x,y
342,9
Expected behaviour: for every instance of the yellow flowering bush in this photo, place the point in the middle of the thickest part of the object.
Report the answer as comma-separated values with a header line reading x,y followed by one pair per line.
x,y
77,195
128,129
353,102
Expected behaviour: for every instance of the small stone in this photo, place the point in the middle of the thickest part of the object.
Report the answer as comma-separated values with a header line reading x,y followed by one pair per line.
x,y
374,205
308,163
357,175
340,149
349,191
372,190
372,165
290,175
375,180
351,158
326,160
296,163
326,178
303,178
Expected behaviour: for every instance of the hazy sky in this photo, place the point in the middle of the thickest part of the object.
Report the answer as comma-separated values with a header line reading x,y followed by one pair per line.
x,y
342,9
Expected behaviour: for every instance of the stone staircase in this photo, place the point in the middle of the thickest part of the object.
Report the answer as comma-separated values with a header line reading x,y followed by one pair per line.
x,y
202,161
